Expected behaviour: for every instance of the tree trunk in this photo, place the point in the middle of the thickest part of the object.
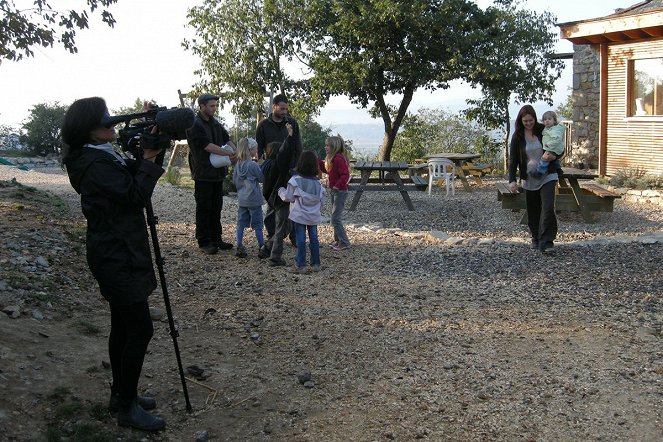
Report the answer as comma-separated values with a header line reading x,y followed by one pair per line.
x,y
391,128
387,143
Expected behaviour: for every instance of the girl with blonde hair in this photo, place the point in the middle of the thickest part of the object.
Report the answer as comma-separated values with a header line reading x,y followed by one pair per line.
x,y
337,167
246,177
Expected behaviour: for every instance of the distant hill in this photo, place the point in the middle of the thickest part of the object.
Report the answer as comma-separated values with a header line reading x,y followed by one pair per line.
x,y
366,138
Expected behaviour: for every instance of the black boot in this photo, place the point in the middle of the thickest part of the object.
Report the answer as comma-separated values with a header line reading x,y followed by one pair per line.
x,y
133,415
147,403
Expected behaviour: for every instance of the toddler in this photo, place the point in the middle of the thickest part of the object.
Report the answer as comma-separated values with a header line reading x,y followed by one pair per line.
x,y
553,143
246,177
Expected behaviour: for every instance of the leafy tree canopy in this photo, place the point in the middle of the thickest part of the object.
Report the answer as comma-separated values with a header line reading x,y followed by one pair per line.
x,y
436,130
512,63
565,110
244,46
23,27
42,128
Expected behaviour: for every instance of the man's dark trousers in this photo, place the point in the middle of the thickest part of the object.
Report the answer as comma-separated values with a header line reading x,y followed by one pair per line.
x,y
209,202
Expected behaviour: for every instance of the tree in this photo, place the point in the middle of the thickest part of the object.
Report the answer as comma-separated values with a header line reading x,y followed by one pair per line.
x,y
436,130
513,62
369,49
42,129
9,138
565,109
22,29
243,46
135,108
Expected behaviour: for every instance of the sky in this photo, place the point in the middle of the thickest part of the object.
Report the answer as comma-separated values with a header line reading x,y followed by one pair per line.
x,y
142,57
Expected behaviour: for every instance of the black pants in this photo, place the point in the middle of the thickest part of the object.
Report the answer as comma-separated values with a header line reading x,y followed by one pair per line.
x,y
270,221
209,202
131,332
541,217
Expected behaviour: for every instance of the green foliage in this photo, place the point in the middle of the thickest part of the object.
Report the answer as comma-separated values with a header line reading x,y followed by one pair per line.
x,y
172,175
565,110
635,178
511,63
135,108
41,25
313,137
86,327
243,46
367,50
42,129
435,130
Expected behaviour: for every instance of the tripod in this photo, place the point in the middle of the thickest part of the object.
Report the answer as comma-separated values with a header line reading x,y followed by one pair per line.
x,y
152,221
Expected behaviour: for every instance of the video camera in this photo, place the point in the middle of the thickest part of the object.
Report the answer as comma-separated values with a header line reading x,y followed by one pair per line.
x,y
134,137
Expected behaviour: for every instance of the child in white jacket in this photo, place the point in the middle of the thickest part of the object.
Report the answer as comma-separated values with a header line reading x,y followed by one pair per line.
x,y
305,195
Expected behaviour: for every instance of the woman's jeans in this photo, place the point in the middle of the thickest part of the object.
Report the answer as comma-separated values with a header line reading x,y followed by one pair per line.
x,y
338,198
314,246
541,217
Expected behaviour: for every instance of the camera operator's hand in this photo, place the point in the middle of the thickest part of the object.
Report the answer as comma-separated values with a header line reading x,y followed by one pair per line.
x,y
151,154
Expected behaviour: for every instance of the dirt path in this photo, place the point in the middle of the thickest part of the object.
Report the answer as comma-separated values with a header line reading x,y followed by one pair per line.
x,y
403,338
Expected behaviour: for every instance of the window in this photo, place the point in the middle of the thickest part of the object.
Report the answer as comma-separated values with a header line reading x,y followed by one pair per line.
x,y
646,83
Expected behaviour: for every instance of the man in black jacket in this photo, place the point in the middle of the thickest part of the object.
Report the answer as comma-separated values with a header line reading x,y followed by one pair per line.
x,y
273,129
207,136
277,177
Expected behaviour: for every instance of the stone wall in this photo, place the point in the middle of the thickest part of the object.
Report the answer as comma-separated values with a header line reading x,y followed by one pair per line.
x,y
586,106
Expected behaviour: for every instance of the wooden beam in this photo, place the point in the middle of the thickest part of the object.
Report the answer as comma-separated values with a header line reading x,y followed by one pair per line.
x,y
635,34
611,24
615,36
654,32
596,39
603,108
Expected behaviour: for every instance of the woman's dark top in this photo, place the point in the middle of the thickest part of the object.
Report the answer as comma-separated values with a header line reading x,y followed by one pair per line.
x,y
113,198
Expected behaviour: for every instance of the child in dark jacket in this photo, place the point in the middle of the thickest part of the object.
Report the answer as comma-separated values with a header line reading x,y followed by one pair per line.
x,y
278,176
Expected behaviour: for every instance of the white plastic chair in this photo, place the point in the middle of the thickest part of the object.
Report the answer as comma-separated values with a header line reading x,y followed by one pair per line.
x,y
441,169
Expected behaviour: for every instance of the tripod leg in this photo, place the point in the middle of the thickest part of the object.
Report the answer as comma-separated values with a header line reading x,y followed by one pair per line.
x,y
152,222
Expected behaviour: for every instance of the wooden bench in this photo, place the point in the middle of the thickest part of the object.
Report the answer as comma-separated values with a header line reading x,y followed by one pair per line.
x,y
477,170
600,191
509,199
596,198
417,169
419,182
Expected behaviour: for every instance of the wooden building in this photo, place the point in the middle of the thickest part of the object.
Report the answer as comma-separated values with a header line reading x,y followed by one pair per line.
x,y
619,60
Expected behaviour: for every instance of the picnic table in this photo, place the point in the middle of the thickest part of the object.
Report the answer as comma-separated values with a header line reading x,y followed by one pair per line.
x,y
461,161
388,178
570,195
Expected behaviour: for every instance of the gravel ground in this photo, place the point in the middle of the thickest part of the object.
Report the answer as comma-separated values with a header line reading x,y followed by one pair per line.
x,y
404,337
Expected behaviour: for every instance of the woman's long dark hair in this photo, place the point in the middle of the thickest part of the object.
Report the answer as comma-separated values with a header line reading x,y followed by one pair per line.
x,y
82,117
519,131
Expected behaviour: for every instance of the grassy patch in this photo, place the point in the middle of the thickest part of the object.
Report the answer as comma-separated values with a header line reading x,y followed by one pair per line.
x,y
58,394
172,176
86,327
73,420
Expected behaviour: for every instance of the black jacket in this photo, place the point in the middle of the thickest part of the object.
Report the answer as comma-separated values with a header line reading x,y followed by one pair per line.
x,y
279,174
269,131
113,198
198,137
